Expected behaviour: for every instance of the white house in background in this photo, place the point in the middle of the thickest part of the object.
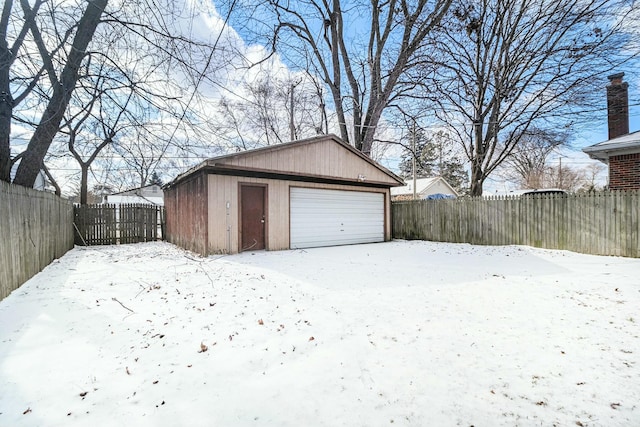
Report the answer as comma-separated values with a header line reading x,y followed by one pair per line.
x,y
149,194
41,183
425,187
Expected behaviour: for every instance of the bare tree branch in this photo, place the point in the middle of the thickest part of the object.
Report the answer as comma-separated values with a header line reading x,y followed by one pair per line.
x,y
503,68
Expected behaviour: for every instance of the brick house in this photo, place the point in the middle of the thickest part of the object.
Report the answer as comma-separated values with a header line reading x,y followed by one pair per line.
x,y
622,150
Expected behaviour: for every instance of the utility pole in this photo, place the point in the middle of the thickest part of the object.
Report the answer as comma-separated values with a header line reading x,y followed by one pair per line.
x,y
292,125
440,157
560,173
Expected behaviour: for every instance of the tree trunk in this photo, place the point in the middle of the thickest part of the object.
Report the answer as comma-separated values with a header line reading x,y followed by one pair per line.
x,y
84,169
6,108
53,181
49,125
369,132
479,153
477,179
6,101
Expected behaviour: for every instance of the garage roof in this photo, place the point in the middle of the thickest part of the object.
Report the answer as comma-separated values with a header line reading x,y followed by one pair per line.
x,y
324,159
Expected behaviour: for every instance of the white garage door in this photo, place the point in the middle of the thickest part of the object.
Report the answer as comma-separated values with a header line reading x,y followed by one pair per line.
x,y
333,217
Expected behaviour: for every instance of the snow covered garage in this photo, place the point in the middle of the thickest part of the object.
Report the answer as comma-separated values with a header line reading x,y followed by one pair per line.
x,y
309,193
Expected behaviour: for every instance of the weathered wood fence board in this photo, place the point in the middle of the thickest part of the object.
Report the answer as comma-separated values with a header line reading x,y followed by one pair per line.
x,y
139,223
604,223
109,224
36,228
95,225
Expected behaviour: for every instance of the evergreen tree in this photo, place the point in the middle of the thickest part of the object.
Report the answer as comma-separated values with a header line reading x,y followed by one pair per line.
x,y
155,179
434,157
452,170
426,156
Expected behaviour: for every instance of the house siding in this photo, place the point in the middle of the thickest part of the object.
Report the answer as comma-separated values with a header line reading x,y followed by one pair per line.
x,y
186,214
223,221
438,187
624,172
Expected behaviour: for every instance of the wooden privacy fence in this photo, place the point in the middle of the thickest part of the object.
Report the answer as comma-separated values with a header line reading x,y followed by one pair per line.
x,y
36,228
606,223
110,224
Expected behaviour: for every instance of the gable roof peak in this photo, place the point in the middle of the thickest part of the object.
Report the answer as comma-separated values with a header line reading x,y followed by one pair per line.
x,y
231,161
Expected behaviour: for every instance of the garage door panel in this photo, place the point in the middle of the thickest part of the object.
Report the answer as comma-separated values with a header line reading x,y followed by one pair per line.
x,y
335,217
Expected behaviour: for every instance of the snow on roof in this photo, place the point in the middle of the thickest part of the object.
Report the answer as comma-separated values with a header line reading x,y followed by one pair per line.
x,y
145,190
422,184
132,198
625,144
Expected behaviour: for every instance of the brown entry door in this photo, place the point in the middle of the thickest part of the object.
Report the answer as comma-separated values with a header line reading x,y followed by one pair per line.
x,y
252,217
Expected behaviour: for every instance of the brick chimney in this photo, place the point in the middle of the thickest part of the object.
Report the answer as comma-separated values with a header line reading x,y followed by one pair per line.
x,y
618,106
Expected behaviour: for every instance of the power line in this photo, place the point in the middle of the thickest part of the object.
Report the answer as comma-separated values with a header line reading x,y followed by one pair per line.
x,y
198,81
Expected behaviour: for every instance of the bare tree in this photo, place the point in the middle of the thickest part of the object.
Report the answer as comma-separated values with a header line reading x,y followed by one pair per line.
x,y
591,174
103,113
113,100
565,177
49,49
141,152
62,84
13,88
364,70
272,110
527,165
504,67
20,74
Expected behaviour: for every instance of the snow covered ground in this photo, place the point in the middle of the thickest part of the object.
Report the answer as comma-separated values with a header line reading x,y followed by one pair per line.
x,y
399,333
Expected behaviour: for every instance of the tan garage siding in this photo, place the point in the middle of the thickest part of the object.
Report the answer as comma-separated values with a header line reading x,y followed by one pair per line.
x,y
315,158
186,213
223,221
203,204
